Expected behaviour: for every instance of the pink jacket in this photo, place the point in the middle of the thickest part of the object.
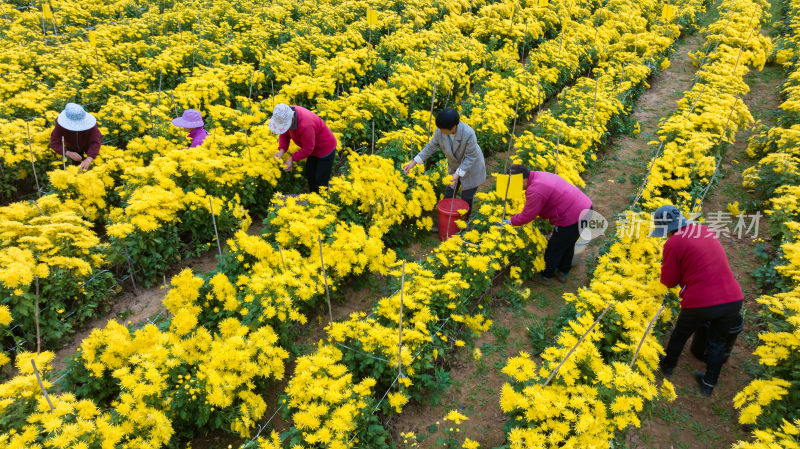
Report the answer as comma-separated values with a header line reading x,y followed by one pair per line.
x,y
310,133
198,135
551,197
694,259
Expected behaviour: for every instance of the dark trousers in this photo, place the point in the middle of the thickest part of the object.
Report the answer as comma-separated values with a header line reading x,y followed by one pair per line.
x,y
467,195
318,171
560,249
722,318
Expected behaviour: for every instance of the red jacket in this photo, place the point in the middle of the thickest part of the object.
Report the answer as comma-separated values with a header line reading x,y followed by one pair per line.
x,y
86,142
694,259
310,133
551,197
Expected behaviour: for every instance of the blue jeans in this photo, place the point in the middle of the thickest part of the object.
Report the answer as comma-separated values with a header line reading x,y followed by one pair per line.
x,y
722,318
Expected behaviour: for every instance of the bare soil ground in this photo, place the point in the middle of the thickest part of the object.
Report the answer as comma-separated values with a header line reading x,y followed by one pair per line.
x,y
691,421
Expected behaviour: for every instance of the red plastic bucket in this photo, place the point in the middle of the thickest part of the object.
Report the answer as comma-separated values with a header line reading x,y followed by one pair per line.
x,y
448,215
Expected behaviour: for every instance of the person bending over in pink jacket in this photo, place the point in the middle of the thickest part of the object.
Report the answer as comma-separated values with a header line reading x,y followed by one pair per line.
x,y
309,132
551,197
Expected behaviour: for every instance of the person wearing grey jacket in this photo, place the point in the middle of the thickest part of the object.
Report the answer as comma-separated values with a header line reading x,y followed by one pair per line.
x,y
459,144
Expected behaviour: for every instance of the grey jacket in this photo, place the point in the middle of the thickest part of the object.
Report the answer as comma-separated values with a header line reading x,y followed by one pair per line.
x,y
465,156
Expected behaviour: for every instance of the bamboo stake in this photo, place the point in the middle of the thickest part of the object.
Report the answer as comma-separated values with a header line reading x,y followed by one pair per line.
x,y
539,96
400,327
594,106
41,385
214,221
558,144
130,269
433,100
553,373
36,317
174,103
160,75
97,61
373,137
325,277
33,165
646,331
280,251
511,136
35,203
63,153
247,142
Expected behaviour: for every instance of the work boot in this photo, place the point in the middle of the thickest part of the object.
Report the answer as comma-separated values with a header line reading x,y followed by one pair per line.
x,y
561,277
544,280
666,372
705,389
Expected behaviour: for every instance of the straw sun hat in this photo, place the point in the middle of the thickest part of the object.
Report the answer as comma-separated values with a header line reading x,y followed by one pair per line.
x,y
75,118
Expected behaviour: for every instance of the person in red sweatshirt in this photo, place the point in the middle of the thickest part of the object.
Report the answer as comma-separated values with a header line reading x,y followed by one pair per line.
x,y
549,196
309,132
78,131
694,259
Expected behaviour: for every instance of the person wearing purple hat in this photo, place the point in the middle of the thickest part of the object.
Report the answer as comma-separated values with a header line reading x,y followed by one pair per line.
x,y
76,130
192,121
694,259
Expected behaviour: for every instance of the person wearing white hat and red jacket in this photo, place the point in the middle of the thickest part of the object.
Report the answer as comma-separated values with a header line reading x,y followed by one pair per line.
x,y
694,259
309,132
80,134
192,121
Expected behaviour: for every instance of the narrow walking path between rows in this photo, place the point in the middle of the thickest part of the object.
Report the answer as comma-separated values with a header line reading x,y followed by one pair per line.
x,y
611,183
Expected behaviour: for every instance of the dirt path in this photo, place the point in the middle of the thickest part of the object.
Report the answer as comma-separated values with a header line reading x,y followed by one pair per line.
x,y
691,420
611,183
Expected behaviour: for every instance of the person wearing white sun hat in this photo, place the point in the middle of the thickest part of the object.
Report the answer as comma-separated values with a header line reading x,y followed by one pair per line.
x,y
78,131
309,132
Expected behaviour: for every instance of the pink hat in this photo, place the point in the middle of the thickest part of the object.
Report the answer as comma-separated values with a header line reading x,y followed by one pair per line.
x,y
191,118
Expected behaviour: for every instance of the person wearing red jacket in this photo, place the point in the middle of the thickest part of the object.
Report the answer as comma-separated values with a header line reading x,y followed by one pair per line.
x,y
694,259
78,131
549,196
309,132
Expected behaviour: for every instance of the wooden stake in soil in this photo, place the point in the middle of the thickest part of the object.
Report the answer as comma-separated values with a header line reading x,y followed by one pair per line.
x,y
214,222
35,203
558,144
646,331
247,142
594,106
325,277
282,262
41,385
33,165
130,269
433,100
400,326
36,317
553,373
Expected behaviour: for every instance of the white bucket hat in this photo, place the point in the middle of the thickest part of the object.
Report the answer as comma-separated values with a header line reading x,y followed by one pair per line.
x,y
75,118
281,119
